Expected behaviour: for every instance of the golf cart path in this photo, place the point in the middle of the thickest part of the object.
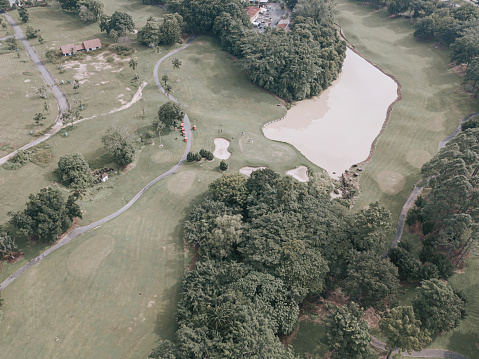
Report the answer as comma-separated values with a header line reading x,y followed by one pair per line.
x,y
425,353
80,230
63,104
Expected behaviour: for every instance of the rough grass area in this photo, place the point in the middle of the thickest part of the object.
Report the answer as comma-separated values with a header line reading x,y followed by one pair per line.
x,y
433,102
19,80
84,300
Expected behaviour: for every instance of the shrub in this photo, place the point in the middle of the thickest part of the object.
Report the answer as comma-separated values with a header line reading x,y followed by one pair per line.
x,y
223,166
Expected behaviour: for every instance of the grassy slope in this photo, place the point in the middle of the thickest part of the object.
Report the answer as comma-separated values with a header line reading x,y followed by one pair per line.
x,y
432,103
431,108
87,293
19,101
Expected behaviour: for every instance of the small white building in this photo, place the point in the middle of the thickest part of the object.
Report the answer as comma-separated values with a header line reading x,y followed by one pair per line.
x,y
104,177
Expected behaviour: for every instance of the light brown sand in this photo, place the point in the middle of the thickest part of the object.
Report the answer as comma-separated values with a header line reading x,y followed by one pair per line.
x,y
221,149
300,173
248,170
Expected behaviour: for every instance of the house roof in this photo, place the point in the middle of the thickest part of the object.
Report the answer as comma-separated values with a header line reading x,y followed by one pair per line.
x,y
79,47
104,175
66,49
252,11
90,44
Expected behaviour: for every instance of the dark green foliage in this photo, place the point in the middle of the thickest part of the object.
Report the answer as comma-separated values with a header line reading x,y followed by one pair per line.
x,y
297,64
471,79
148,35
442,264
371,228
437,306
370,281
396,7
208,155
17,161
4,5
120,22
472,123
230,189
170,30
90,10
69,5
347,333
466,47
224,166
23,13
31,33
47,215
171,114
120,145
403,330
408,266
74,171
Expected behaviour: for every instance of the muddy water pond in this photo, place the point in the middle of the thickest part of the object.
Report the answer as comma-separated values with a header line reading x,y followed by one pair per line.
x,y
336,129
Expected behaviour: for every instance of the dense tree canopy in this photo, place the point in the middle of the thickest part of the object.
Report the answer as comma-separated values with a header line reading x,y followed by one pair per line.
x,y
120,144
437,306
403,330
347,333
171,114
74,171
120,22
47,215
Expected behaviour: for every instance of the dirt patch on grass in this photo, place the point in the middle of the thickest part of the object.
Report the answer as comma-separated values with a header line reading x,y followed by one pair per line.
x,y
390,182
14,257
372,318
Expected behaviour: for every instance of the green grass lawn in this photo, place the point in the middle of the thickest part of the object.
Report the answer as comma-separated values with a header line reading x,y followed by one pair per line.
x,y
432,105
83,300
19,101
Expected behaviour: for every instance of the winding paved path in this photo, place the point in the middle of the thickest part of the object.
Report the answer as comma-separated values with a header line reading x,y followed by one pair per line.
x,y
78,231
62,100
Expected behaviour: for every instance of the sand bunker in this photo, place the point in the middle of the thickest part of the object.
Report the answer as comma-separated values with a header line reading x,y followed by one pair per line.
x,y
300,173
247,171
221,149
336,129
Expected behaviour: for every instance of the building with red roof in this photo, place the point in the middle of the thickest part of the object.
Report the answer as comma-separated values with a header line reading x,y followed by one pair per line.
x,y
88,45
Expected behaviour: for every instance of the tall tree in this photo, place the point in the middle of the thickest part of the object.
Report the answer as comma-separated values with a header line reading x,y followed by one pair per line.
x,y
403,331
120,22
23,13
90,10
472,76
466,47
120,144
437,306
319,10
74,171
7,245
171,114
370,281
69,5
47,215
347,333
170,30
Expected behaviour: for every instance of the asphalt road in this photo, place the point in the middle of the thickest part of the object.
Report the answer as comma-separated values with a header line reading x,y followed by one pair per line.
x,y
62,100
78,231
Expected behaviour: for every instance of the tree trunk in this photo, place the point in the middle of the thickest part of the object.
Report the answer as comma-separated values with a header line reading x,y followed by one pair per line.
x,y
467,249
389,354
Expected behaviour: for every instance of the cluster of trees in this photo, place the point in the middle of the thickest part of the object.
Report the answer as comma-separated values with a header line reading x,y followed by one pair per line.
x,y
449,214
450,25
46,216
167,33
87,10
265,243
23,14
118,24
208,155
120,144
170,115
294,65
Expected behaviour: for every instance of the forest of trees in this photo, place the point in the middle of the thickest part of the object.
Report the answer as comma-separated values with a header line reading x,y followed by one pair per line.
x,y
265,243
294,65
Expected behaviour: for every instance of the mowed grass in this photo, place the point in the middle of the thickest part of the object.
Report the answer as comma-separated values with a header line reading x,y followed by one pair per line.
x,y
109,294
84,300
432,102
19,80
